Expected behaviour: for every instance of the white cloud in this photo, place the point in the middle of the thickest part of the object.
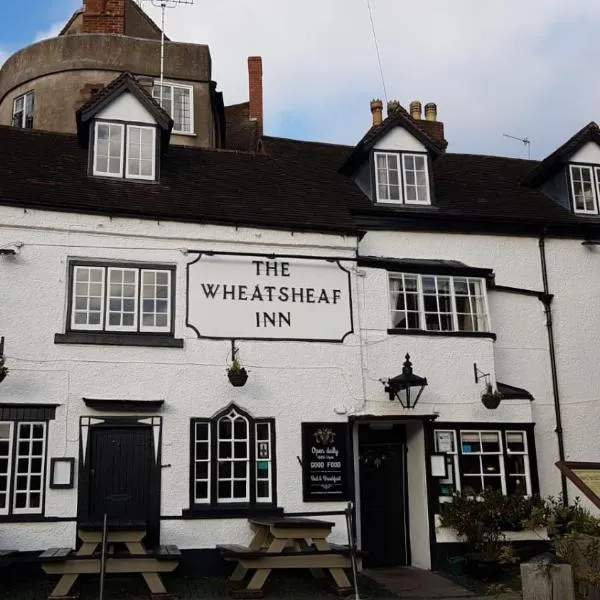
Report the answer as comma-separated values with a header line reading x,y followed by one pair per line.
x,y
499,66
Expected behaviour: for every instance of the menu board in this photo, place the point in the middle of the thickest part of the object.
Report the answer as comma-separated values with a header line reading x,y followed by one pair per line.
x,y
325,462
586,476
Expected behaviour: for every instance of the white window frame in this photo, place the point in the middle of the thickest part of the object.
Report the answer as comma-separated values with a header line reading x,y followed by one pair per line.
x,y
232,416
172,85
501,475
24,98
405,183
128,174
213,460
454,312
504,454
108,297
95,170
9,495
594,184
398,168
104,325
81,326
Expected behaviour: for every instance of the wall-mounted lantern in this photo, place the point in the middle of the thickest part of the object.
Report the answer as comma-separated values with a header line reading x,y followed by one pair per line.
x,y
399,387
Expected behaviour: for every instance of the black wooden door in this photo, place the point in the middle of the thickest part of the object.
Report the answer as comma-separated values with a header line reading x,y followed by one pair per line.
x,y
383,514
120,472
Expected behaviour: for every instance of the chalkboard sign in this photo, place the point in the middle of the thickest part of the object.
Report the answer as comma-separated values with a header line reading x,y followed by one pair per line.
x,y
325,462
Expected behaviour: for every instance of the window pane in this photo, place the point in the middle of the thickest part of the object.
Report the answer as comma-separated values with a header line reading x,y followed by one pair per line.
x,y
28,473
515,441
140,151
416,186
122,313
156,293
88,297
108,149
388,178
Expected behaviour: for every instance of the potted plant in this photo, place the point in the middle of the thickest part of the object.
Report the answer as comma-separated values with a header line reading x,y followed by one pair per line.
x,y
3,368
237,374
490,397
478,521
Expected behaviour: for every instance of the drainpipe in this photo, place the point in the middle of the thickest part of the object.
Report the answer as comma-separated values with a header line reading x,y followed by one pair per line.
x,y
547,301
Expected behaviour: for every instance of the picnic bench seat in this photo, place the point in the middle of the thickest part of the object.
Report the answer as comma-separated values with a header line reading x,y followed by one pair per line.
x,y
234,551
7,556
168,552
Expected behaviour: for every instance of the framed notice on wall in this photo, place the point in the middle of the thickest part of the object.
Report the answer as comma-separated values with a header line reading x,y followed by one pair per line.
x,y
325,462
584,475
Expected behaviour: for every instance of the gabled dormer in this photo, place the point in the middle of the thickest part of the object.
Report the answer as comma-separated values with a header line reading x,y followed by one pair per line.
x,y
125,131
571,174
392,163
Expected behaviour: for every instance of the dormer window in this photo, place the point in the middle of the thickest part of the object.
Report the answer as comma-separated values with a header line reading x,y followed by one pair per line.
x,y
23,111
124,150
585,188
401,178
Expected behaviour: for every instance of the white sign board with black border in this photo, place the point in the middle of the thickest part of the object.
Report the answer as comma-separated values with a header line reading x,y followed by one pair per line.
x,y
254,297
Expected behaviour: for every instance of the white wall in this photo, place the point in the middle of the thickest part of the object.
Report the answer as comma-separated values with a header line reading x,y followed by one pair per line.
x,y
399,139
126,108
588,153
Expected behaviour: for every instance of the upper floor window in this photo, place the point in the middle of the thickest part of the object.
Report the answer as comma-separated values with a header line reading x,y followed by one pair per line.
x,y
177,101
437,303
23,111
585,188
123,150
121,298
401,178
232,459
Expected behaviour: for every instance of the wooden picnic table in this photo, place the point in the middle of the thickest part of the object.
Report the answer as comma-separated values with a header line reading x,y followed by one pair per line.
x,y
135,559
287,543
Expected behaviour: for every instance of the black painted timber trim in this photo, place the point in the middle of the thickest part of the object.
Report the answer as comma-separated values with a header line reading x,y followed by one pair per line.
x,y
123,405
224,511
118,339
11,411
18,518
462,334
407,265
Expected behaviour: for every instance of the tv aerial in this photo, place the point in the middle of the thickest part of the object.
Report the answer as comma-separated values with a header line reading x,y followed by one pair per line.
x,y
163,5
526,142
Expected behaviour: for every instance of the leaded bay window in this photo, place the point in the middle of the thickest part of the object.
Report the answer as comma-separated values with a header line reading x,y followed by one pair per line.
x,y
401,178
23,107
124,150
583,189
177,101
22,467
437,303
480,459
121,298
232,459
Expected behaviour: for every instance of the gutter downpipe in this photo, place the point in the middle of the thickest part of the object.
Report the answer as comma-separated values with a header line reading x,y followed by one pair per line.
x,y
547,301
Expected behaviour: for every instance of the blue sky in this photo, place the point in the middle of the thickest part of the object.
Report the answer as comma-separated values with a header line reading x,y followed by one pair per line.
x,y
523,67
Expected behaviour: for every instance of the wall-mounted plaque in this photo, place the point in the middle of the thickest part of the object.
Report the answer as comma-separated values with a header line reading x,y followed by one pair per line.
x,y
240,296
585,476
325,462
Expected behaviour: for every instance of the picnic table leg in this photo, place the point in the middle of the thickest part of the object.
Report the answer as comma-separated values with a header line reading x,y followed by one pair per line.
x,y
262,538
338,574
66,582
301,545
153,580
261,575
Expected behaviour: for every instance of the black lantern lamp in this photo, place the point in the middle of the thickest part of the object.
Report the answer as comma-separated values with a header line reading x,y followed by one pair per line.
x,y
399,387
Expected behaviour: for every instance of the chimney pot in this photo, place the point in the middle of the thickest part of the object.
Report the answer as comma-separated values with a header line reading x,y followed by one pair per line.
x,y
415,110
377,112
394,107
431,111
255,81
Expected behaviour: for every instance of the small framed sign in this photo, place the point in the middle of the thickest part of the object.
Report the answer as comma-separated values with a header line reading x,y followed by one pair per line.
x,y
585,476
438,466
325,462
62,473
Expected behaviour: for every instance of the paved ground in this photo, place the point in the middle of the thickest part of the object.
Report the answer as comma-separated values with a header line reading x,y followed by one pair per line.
x,y
376,584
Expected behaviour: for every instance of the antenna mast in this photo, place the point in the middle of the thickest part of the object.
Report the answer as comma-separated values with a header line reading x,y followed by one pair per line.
x,y
163,5
526,142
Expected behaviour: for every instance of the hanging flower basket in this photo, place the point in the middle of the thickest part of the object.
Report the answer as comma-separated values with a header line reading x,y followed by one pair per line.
x,y
491,398
236,374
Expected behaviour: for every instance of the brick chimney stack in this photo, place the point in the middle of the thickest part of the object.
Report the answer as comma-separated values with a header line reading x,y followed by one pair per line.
x,y
104,16
255,80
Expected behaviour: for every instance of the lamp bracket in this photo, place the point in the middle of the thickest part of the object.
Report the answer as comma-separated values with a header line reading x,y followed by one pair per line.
x,y
479,374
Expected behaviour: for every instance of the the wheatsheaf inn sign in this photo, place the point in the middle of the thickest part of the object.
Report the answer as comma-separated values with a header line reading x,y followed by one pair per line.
x,y
253,297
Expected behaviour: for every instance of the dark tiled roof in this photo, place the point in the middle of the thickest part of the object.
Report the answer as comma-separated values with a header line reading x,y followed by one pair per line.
x,y
553,162
288,189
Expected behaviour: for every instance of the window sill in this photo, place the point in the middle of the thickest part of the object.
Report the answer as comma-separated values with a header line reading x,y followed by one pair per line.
x,y
231,511
118,339
465,334
34,518
183,133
